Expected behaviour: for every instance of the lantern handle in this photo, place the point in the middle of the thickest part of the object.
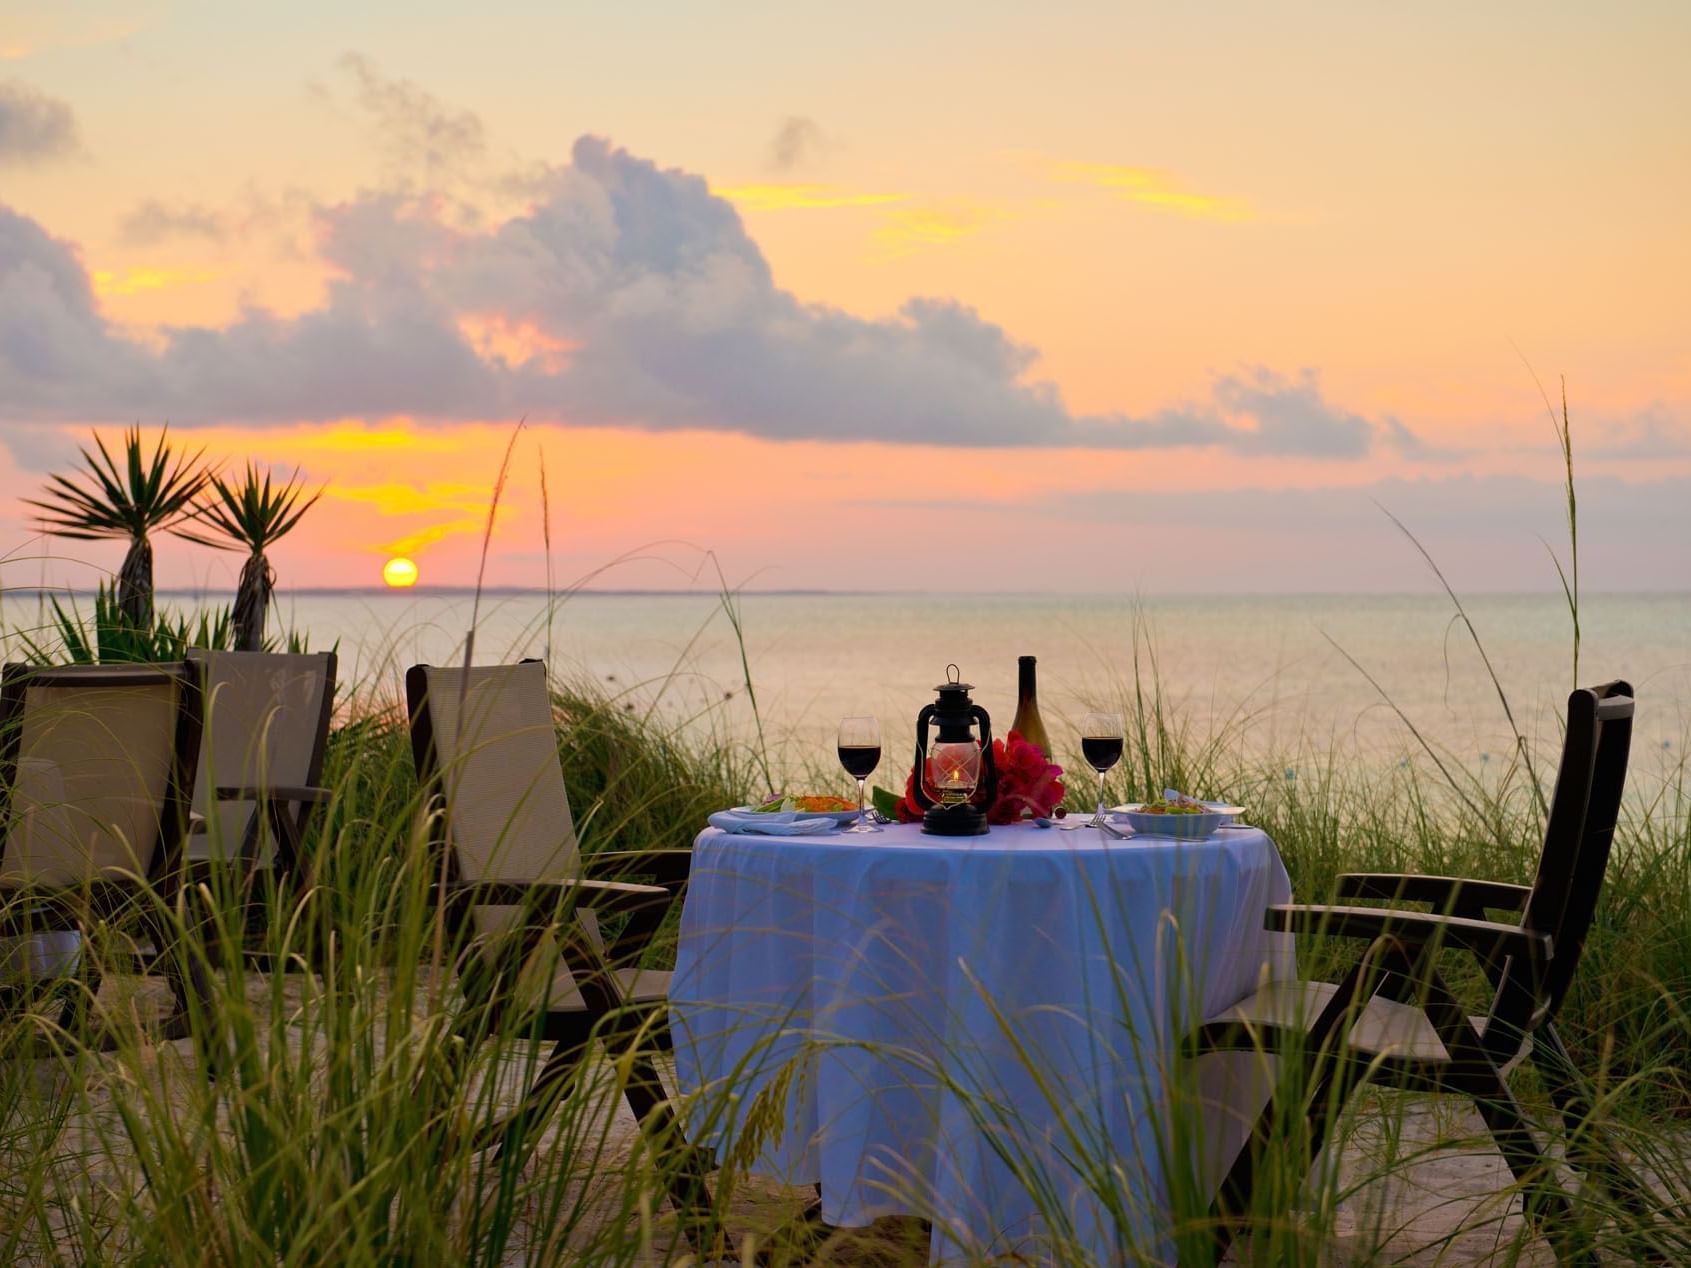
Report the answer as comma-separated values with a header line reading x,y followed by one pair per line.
x,y
988,789
918,784
953,674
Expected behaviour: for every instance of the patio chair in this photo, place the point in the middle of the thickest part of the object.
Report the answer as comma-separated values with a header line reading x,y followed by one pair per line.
x,y
522,909
1393,1019
266,729
95,764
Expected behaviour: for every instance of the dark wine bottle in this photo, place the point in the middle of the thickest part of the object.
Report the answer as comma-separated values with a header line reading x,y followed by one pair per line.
x,y
1027,721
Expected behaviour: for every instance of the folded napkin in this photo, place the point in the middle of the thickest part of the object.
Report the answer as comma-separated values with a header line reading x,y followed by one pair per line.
x,y
781,823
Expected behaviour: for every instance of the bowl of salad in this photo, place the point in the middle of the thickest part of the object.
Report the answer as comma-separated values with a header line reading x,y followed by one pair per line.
x,y
1177,815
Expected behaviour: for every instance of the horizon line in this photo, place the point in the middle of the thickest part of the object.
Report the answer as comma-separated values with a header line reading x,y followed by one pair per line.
x,y
507,591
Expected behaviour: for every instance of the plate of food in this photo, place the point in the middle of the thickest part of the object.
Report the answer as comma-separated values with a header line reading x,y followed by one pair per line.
x,y
1177,815
819,807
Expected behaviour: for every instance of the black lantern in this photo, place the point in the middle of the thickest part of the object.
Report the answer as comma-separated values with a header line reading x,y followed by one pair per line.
x,y
956,778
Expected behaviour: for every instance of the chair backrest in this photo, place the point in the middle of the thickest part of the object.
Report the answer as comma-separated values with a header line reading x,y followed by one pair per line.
x,y
485,742
1584,809
266,726
95,767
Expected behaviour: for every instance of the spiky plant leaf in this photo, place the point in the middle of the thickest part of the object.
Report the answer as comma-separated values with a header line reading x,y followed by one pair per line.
x,y
125,501
145,494
252,513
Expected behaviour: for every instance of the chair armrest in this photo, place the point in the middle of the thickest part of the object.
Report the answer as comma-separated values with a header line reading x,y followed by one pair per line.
x,y
196,824
1487,939
275,792
611,896
1443,892
671,867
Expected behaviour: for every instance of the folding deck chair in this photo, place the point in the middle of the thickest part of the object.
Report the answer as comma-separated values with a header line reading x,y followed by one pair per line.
x,y
521,907
1394,1020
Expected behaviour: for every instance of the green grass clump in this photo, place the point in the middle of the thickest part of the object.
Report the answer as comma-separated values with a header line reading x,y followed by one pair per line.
x,y
340,1123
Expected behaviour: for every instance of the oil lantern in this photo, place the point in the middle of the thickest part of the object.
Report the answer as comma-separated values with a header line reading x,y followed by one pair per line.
x,y
955,776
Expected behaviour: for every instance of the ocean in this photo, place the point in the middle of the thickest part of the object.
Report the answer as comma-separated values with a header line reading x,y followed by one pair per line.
x,y
1269,674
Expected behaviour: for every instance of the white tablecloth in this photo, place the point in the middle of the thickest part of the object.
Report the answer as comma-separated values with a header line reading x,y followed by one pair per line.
x,y
980,1031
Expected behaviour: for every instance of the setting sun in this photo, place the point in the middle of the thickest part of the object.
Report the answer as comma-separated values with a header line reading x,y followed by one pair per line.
x,y
400,573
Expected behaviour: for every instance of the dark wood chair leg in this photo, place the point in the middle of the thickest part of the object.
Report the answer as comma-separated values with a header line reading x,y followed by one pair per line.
x,y
518,1132
689,1190
1588,1147
1544,1204
1232,1205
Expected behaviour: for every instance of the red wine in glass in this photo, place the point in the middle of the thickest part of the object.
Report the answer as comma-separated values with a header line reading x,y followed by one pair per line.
x,y
859,747
1101,751
860,760
1101,745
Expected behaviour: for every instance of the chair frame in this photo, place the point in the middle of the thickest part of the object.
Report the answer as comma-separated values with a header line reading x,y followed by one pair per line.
x,y
287,831
109,900
1530,967
271,814
604,1014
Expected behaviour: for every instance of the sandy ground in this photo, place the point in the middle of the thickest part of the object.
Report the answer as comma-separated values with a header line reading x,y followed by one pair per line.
x,y
1412,1204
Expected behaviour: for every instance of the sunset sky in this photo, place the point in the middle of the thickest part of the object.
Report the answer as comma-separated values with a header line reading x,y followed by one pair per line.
x,y
951,296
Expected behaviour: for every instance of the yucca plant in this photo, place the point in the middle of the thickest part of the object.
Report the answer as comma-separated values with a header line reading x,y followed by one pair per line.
x,y
252,513
112,639
126,502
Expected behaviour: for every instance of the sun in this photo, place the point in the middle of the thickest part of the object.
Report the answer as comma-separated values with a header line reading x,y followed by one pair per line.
x,y
400,573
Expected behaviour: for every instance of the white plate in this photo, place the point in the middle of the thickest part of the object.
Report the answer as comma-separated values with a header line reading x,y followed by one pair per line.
x,y
838,816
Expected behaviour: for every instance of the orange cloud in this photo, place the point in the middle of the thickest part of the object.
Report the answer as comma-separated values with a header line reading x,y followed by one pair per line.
x,y
494,336
74,26
141,280
417,542
409,499
935,225
467,502
1151,187
350,436
801,197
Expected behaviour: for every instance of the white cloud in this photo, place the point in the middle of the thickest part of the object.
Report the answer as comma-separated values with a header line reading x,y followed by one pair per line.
x,y
665,309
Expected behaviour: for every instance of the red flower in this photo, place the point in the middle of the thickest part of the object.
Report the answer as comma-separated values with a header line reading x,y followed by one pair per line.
x,y
1028,784
907,809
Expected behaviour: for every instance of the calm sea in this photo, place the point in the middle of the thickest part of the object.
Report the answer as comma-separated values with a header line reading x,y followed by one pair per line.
x,y
1270,672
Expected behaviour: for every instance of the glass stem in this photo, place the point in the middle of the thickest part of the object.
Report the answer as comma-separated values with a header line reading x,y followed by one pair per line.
x,y
860,803
1099,817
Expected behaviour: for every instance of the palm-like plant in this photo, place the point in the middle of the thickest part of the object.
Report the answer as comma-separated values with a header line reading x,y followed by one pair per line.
x,y
252,513
130,501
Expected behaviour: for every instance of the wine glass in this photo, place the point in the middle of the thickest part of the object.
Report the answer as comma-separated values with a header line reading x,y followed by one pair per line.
x,y
860,753
1100,744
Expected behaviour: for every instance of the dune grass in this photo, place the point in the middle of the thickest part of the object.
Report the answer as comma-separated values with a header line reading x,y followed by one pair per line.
x,y
338,1127
327,1103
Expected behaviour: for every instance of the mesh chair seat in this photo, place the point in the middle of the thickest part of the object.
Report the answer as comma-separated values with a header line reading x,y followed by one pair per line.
x,y
1386,1029
267,720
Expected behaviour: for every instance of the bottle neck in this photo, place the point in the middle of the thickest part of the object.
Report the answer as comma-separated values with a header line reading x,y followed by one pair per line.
x,y
1025,686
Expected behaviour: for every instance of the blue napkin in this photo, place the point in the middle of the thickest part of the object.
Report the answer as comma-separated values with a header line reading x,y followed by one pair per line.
x,y
782,823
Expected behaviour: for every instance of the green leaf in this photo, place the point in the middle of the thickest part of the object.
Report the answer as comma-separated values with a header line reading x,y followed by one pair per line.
x,y
886,802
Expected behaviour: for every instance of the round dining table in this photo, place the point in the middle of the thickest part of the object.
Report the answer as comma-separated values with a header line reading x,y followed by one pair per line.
x,y
981,1031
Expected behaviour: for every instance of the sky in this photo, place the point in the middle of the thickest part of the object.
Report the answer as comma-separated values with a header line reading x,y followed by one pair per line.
x,y
972,296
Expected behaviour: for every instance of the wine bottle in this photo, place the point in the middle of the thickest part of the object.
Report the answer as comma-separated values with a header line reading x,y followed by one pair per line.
x,y
1027,721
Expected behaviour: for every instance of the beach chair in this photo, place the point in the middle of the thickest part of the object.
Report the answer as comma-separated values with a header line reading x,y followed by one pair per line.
x,y
1394,1020
523,912
266,729
95,767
